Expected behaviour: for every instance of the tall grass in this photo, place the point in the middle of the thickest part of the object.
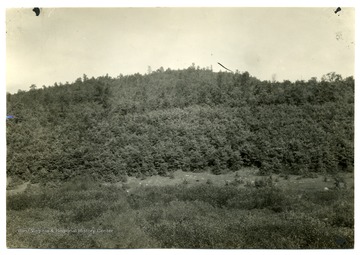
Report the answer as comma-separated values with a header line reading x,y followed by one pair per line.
x,y
182,216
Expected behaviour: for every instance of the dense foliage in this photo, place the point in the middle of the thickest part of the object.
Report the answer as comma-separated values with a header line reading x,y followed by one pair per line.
x,y
82,214
193,119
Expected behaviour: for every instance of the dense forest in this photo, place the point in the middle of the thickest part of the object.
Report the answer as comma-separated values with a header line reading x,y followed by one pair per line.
x,y
191,120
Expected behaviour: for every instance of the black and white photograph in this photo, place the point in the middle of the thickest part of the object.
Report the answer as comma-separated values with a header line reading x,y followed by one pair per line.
x,y
180,127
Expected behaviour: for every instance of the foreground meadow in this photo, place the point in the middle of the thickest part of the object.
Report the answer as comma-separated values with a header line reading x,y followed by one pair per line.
x,y
185,210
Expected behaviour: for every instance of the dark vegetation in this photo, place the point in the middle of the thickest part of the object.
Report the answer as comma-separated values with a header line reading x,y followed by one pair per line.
x,y
200,216
192,119
72,140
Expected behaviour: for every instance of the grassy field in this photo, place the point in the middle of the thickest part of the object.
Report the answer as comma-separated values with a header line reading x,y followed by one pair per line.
x,y
185,210
241,178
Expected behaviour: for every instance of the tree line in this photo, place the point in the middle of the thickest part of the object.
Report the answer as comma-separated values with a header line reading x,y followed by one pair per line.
x,y
192,119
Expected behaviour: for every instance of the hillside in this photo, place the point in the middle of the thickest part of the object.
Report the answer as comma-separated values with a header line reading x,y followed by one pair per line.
x,y
191,120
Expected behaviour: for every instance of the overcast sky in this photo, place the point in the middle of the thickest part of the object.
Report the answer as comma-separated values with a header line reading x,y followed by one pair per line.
x,y
62,44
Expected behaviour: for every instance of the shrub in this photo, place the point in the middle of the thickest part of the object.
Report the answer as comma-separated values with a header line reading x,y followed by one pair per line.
x,y
343,214
79,183
310,175
216,196
339,182
19,202
237,182
125,186
249,184
295,232
264,182
123,178
87,210
171,175
261,198
323,197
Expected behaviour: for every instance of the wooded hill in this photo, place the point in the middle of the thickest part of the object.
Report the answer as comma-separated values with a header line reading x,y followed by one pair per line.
x,y
192,119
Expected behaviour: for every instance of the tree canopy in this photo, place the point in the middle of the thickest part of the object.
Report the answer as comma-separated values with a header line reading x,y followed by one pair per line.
x,y
192,119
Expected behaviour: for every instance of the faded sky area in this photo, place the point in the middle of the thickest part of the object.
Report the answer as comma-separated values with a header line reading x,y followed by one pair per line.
x,y
63,44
